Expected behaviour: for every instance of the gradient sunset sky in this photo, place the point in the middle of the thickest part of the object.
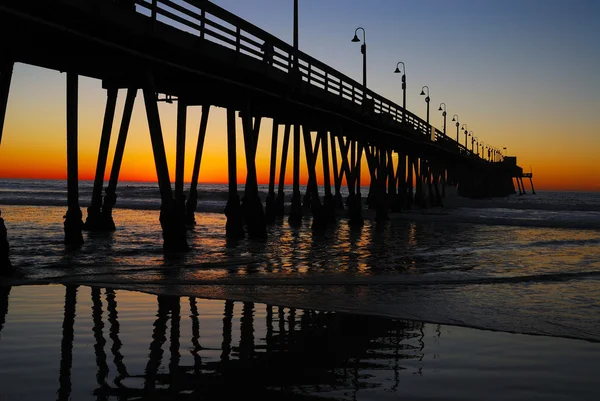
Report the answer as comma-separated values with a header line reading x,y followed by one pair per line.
x,y
522,74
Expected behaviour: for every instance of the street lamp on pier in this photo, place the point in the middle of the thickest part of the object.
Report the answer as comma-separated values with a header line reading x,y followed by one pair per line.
x,y
403,83
455,118
464,128
443,114
473,140
363,50
426,100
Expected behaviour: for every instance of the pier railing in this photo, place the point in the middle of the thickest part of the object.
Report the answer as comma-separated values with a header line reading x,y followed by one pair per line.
x,y
211,22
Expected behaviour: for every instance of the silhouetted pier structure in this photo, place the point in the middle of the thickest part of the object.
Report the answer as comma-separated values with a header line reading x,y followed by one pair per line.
x,y
196,53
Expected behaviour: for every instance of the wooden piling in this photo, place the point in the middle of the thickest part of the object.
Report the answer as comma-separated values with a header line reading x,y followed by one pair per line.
x,y
192,201
252,209
233,228
270,201
110,198
295,218
319,222
173,225
73,219
280,200
94,219
180,153
328,202
381,209
337,174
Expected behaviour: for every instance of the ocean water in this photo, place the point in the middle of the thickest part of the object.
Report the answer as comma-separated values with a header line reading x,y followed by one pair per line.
x,y
521,264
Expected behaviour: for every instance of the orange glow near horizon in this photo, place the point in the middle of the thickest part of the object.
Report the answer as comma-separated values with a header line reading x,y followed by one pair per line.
x,y
34,145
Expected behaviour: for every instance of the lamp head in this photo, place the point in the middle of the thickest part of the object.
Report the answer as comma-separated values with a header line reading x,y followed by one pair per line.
x,y
453,119
422,92
355,38
397,71
440,109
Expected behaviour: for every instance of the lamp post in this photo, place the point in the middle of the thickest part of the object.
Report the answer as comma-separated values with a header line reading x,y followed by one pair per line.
x,y
363,50
455,118
426,100
473,140
464,128
403,84
443,114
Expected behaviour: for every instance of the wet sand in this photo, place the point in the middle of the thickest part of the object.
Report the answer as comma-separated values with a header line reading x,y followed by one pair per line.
x,y
79,342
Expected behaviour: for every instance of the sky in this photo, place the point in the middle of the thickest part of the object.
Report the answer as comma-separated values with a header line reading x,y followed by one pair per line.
x,y
521,74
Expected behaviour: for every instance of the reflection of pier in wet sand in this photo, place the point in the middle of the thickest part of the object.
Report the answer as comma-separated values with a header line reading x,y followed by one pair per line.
x,y
195,348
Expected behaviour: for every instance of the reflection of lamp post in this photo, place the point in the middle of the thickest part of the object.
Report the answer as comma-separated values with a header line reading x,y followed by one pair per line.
x,y
443,114
426,100
455,118
403,83
464,128
363,50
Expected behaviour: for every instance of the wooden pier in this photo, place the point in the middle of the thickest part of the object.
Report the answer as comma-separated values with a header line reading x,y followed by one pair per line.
x,y
195,53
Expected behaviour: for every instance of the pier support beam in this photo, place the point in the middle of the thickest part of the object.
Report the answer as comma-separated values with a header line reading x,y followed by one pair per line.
x,y
270,207
328,203
381,208
410,182
354,200
337,175
94,221
180,161
252,208
233,228
174,231
392,199
192,202
295,218
280,200
110,198
311,160
531,182
401,182
73,219
319,222
6,70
